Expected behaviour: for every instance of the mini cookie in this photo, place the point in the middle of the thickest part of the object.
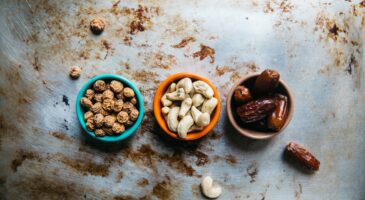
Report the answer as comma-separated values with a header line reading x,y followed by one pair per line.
x,y
75,72
128,92
90,125
98,120
122,117
89,94
109,120
118,128
118,105
86,102
128,106
99,86
88,115
108,104
99,132
116,86
108,94
134,114
96,108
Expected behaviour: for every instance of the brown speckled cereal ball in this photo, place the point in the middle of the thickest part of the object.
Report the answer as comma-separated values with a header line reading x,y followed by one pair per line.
x,y
108,130
118,105
88,115
99,86
108,104
97,26
75,72
116,86
134,114
86,102
98,97
90,125
96,107
128,92
89,94
99,132
108,94
99,120
134,101
122,117
128,106
118,128
109,120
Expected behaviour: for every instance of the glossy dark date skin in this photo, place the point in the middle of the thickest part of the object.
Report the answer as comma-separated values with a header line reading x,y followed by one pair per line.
x,y
266,82
276,119
242,94
303,156
256,110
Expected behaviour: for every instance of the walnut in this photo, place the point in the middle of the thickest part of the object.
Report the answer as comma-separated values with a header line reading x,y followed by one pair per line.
x,y
116,86
108,94
96,107
75,72
122,117
108,104
118,128
86,102
90,125
134,101
98,97
118,105
109,120
97,26
128,106
128,92
89,94
120,96
99,132
88,115
108,131
99,86
134,114
99,120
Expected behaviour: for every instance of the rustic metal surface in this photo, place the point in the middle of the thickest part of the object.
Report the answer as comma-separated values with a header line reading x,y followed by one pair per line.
x,y
316,45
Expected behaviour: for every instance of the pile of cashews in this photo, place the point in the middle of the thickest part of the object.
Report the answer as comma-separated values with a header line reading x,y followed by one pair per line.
x,y
187,106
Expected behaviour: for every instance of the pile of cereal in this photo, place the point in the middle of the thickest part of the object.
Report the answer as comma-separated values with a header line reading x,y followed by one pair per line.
x,y
110,108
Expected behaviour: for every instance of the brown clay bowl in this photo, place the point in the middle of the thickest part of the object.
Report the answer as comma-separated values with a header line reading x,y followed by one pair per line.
x,y
245,129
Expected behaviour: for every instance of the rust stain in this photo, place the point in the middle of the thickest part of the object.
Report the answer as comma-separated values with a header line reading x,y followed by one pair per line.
x,y
163,189
231,159
252,171
184,42
159,60
21,156
108,47
119,177
143,182
285,6
115,4
201,158
143,76
87,166
141,21
60,136
204,52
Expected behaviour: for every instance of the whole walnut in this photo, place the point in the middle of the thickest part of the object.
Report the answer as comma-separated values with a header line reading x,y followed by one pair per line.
x,y
128,106
109,120
128,92
122,117
90,125
99,132
75,72
108,94
98,97
88,115
134,101
118,128
118,105
108,104
133,115
99,120
99,86
116,86
96,108
89,94
86,102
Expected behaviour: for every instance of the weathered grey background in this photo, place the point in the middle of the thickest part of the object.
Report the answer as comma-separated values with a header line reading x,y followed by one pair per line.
x,y
316,45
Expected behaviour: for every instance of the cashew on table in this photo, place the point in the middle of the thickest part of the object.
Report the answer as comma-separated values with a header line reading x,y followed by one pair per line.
x,y
187,106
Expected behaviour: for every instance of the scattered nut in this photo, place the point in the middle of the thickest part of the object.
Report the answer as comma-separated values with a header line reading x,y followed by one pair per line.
x,y
88,115
210,189
75,72
98,120
116,86
99,86
118,128
109,120
122,117
99,132
96,108
86,102
89,94
128,92
97,26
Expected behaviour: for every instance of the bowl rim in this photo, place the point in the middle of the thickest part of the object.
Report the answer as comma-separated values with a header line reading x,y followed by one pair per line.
x,y
157,106
253,133
129,130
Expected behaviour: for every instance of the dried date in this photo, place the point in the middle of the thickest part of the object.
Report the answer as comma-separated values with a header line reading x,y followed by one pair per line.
x,y
242,94
266,82
277,118
303,156
256,110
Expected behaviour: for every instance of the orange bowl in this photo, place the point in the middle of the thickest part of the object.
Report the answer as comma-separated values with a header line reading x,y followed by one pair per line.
x,y
159,116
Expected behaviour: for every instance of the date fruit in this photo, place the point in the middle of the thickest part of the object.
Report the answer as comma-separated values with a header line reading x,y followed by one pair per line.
x,y
256,110
276,120
242,94
303,156
266,82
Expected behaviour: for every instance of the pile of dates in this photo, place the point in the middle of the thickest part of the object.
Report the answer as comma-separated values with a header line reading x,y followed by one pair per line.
x,y
261,106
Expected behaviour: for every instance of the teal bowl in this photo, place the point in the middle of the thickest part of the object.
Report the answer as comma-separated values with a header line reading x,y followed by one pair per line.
x,y
129,130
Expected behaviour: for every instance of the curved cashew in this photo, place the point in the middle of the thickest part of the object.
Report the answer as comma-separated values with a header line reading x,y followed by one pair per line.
x,y
198,99
177,95
172,120
185,107
200,119
195,128
203,88
209,105
185,83
165,110
184,126
172,88
165,101
210,189
192,92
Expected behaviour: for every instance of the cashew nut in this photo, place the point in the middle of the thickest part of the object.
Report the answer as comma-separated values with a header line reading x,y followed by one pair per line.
x,y
195,128
177,95
172,88
165,110
198,99
192,92
184,125
203,88
210,189
172,120
165,101
200,119
186,84
209,105
185,107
